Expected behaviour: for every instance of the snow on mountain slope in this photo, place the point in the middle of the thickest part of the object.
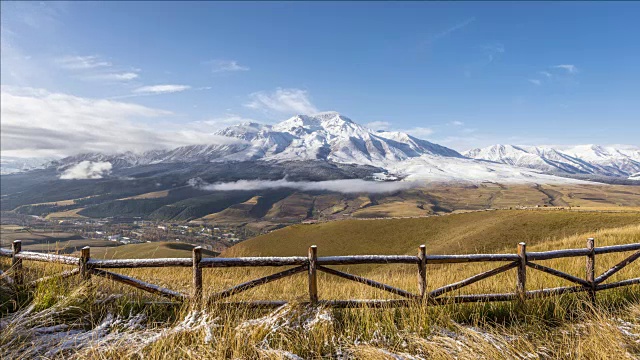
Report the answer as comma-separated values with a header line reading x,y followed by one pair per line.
x,y
333,137
324,136
582,159
329,136
11,165
438,169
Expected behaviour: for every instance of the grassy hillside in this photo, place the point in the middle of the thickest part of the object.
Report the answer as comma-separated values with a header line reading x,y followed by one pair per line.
x,y
35,237
565,327
484,231
148,250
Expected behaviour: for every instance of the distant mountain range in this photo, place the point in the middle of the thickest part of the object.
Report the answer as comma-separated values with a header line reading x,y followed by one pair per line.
x,y
11,165
623,161
334,138
309,166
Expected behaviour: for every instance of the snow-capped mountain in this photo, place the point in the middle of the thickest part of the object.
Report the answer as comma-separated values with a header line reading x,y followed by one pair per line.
x,y
332,137
10,164
620,161
324,136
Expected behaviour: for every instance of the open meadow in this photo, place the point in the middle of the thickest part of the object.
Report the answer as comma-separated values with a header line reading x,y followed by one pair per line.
x,y
108,320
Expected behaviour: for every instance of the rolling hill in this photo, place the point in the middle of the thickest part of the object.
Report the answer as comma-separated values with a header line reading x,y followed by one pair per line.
x,y
148,251
474,232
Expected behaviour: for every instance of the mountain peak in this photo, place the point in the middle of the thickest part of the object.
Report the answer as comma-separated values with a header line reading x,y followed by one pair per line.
x,y
329,121
329,116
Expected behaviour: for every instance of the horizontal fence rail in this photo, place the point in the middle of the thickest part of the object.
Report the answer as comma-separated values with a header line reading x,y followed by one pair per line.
x,y
311,264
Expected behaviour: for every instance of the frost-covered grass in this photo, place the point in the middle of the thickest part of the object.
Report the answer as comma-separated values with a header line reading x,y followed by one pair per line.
x,y
102,319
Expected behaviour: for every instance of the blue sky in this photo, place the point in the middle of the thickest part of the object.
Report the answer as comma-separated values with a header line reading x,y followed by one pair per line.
x,y
460,74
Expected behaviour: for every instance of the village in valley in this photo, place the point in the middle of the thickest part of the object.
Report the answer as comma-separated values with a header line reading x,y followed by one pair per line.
x,y
120,231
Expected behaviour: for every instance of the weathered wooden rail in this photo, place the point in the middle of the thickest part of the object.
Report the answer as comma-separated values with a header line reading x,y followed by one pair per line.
x,y
311,264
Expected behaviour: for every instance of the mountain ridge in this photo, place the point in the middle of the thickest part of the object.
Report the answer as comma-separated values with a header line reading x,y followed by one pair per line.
x,y
565,160
335,138
323,136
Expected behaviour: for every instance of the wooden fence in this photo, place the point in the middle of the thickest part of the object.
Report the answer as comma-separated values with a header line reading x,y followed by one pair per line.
x,y
311,264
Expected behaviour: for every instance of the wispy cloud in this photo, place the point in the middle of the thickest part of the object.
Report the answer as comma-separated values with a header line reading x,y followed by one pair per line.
x,y
492,50
548,77
448,31
125,76
456,123
570,68
419,132
343,186
36,122
18,67
487,54
221,122
96,68
40,15
379,125
82,62
161,89
227,66
285,101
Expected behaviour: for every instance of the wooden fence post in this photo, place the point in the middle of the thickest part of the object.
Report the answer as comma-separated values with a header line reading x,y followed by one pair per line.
x,y
422,271
522,271
313,276
16,264
85,254
197,276
591,269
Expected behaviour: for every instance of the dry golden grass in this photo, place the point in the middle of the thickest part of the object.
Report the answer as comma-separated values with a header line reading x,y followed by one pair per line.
x,y
235,213
393,209
474,232
596,196
149,195
65,214
564,327
60,202
160,249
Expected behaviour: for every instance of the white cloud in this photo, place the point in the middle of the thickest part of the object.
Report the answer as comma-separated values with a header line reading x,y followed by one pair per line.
x,y
535,82
87,170
93,67
545,74
126,76
161,89
419,132
570,68
227,66
379,125
342,186
82,62
457,123
463,143
218,123
18,67
36,122
287,101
